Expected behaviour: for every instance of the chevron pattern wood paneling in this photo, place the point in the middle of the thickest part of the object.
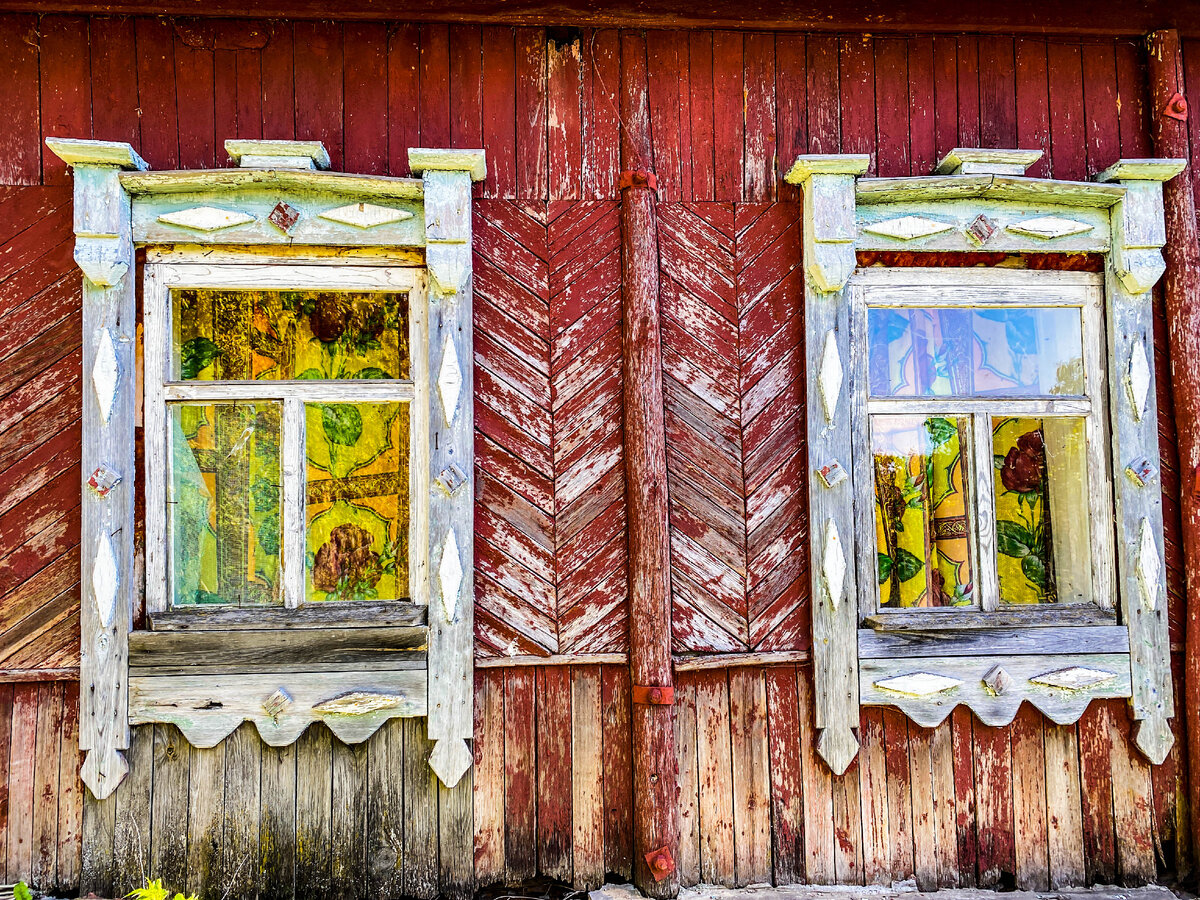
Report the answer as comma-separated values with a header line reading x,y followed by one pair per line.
x,y
550,520
732,304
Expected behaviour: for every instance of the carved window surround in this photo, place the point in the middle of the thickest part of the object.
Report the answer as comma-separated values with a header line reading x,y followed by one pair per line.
x,y
981,201
276,217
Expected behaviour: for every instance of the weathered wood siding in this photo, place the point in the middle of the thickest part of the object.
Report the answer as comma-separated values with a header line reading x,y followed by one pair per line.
x,y
1033,803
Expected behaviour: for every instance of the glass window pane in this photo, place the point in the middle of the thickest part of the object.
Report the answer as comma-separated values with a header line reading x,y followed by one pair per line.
x,y
952,352
923,523
1042,527
223,503
358,503
243,335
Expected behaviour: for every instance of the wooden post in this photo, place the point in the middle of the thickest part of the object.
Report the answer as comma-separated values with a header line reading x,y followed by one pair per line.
x,y
656,833
1169,131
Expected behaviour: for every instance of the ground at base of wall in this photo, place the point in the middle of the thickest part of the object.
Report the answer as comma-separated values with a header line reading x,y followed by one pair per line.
x,y
905,890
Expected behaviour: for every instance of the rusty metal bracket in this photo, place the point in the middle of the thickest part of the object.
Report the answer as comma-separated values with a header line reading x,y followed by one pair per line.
x,y
653,694
660,862
631,178
1176,107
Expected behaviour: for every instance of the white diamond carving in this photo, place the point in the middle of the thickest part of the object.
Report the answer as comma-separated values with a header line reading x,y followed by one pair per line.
x,y
106,372
450,574
1049,227
206,218
450,759
908,228
449,381
366,215
1074,678
833,563
918,684
1148,566
1137,381
105,580
829,381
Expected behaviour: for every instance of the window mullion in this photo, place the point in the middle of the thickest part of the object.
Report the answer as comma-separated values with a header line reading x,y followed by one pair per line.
x,y
294,501
987,581
156,334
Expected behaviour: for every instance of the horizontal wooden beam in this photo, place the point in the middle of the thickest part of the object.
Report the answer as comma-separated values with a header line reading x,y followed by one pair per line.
x,y
26,676
364,614
247,651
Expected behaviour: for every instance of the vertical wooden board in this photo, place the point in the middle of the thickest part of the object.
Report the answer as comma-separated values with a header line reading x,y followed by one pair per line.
x,y
420,813
962,744
666,82
66,88
1033,102
404,89
155,40
924,817
922,107
848,830
348,822
751,775
618,771
700,102
1132,803
728,115
319,83
456,875
994,811
1030,834
899,792
1065,72
761,170
70,791
1064,821
278,84
520,766
872,781
531,162
114,81
587,768
688,861
554,737
169,806
489,776
6,709
225,119
21,790
1101,122
277,823
20,144
314,806
824,95
945,94
205,820
248,65
240,838
817,792
714,763
941,755
129,845
892,107
385,813
1132,95
1096,793
791,93
196,92
600,123
564,87
856,71
499,103
44,861
997,92
466,87
968,90
366,86
435,85
786,774
96,856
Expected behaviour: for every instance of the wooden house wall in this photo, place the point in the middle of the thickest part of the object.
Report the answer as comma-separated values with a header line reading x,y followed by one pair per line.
x,y
1031,803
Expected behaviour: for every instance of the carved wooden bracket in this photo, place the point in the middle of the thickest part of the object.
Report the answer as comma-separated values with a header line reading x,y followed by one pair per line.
x,y
1138,229
828,185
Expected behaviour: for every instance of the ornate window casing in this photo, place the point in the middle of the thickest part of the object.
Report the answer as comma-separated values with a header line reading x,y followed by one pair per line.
x,y
985,511
292,573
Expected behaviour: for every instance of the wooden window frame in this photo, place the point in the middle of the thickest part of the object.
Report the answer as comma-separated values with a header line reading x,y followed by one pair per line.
x,y
159,389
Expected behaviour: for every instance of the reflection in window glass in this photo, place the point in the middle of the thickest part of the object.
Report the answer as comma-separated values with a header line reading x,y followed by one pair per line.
x,y
922,521
358,501
257,335
951,352
1042,530
223,503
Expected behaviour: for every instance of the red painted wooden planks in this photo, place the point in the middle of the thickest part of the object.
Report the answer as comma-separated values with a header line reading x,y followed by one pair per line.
x,y
618,768
786,775
667,86
197,103
530,94
319,89
466,86
66,88
892,106
520,779
728,115
856,68
20,145
403,83
997,92
791,90
599,121
499,101
554,774
1033,102
922,107
1102,125
278,84
761,175
366,81
435,112
1067,135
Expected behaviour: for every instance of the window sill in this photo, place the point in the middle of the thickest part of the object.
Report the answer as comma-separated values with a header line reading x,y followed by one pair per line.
x,y
356,614
967,620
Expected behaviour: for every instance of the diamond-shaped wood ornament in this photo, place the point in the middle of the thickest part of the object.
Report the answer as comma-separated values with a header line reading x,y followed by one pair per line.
x,y
980,230
1148,567
1073,678
105,580
833,564
449,382
106,372
829,379
366,215
284,216
1137,380
918,684
450,759
1047,228
451,479
450,575
997,681
908,228
206,218
277,703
